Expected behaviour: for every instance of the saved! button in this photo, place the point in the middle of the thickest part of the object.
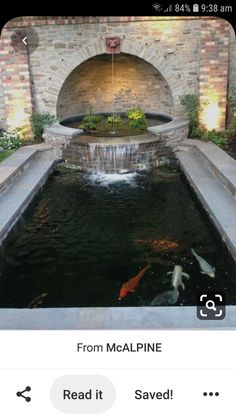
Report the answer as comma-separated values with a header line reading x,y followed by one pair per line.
x,y
83,394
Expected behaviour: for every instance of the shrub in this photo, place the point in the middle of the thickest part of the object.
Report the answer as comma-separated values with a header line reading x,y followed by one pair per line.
x,y
24,132
114,119
38,120
10,141
192,108
218,138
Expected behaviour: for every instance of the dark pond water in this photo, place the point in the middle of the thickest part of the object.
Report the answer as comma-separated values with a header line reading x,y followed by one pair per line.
x,y
106,129
84,237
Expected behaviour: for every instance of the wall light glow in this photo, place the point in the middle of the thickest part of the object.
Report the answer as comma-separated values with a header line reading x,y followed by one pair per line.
x,y
210,115
16,111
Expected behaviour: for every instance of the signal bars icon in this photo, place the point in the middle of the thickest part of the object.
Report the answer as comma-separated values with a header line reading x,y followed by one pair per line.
x,y
169,9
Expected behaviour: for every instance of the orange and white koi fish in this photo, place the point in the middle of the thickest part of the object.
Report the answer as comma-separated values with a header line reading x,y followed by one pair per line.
x,y
130,285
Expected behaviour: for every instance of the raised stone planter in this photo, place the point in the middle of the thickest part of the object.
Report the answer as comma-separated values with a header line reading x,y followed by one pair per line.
x,y
173,132
129,153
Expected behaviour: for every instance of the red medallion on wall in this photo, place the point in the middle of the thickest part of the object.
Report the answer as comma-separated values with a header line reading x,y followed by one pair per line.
x,y
113,45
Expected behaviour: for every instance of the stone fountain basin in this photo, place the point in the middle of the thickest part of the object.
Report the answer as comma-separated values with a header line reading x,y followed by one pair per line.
x,y
172,132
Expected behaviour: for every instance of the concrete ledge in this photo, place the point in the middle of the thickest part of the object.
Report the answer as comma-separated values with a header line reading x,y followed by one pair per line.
x,y
17,163
215,198
14,166
220,164
22,190
111,318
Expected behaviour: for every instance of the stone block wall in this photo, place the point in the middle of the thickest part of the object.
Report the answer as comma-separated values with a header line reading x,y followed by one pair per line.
x,y
190,54
136,83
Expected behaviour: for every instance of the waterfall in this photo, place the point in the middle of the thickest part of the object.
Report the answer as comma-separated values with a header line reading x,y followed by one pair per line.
x,y
115,158
119,158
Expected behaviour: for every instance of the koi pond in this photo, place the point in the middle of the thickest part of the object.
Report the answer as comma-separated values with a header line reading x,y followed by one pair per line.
x,y
87,235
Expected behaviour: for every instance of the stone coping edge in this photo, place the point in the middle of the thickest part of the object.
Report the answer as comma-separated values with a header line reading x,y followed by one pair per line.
x,y
112,318
58,129
176,123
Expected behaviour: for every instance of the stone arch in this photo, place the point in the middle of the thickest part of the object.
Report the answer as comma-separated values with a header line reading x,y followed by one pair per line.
x,y
156,57
136,84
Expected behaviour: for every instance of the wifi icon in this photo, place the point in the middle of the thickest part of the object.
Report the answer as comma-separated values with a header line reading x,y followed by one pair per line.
x,y
157,7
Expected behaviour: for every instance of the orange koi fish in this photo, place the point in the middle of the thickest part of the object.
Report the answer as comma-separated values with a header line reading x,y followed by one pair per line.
x,y
130,285
160,245
165,245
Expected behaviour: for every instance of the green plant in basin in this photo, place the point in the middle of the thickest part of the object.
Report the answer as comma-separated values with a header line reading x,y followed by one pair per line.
x,y
88,126
94,119
136,118
114,119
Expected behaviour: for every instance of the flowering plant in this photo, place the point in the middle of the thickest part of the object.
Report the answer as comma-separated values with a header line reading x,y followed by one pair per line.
x,y
9,140
135,114
137,118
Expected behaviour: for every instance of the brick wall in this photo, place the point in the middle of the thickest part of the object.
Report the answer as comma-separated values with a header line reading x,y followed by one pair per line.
x,y
213,76
2,103
16,86
135,83
232,75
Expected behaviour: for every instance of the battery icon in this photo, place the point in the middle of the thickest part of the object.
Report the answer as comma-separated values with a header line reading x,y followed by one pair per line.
x,y
196,8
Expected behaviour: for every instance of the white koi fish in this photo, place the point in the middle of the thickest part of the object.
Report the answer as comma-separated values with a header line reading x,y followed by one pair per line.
x,y
171,297
206,268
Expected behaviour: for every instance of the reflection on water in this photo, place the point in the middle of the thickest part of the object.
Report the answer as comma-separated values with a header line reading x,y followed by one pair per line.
x,y
109,179
87,235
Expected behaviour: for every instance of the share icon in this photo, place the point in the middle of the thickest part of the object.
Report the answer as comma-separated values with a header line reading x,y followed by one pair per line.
x,y
21,394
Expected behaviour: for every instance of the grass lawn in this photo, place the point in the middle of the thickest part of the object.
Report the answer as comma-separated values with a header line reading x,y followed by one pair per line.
x,y
5,154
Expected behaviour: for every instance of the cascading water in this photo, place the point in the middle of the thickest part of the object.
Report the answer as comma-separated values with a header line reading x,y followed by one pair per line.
x,y
121,157
114,159
113,131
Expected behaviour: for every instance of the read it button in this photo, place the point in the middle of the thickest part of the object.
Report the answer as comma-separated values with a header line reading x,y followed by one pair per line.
x,y
83,394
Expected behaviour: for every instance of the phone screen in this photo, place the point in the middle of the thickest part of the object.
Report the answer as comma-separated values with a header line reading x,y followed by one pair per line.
x,y
118,214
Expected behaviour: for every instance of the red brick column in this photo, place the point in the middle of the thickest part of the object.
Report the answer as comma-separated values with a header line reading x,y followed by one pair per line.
x,y
213,72
16,84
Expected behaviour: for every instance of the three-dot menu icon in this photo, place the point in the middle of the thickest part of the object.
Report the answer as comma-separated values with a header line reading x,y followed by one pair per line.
x,y
211,394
